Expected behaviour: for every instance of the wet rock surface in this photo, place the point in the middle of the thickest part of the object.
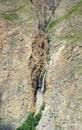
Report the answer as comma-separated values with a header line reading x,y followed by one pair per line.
x,y
37,61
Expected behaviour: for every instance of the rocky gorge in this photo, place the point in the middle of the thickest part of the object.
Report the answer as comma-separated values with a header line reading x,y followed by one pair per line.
x,y
41,62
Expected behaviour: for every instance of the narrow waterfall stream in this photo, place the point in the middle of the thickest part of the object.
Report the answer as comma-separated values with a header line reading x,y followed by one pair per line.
x,y
43,83
40,95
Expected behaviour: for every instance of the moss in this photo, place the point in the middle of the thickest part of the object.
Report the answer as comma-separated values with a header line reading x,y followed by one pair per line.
x,y
78,69
57,126
47,51
65,37
42,73
42,107
73,41
49,59
0,119
49,40
12,14
6,0
25,8
75,9
9,16
32,17
12,43
80,99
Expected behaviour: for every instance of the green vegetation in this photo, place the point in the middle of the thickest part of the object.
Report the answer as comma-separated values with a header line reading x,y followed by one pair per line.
x,y
12,43
60,19
5,0
78,69
58,127
75,36
0,119
42,73
32,120
80,99
49,40
10,16
65,37
73,41
42,107
48,18
47,51
25,8
49,59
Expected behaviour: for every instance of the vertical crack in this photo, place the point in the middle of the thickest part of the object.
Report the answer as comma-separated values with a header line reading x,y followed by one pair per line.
x,y
37,63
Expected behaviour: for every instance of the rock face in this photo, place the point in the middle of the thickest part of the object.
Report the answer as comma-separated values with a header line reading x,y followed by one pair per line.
x,y
63,96
16,95
37,60
23,57
14,73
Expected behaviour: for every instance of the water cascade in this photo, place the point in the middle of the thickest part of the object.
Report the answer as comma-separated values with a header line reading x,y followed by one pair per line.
x,y
43,83
40,95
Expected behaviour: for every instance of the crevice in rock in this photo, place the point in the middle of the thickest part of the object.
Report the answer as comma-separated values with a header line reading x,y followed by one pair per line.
x,y
40,47
37,62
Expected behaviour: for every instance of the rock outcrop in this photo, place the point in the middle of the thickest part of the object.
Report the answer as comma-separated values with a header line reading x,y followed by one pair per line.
x,y
37,60
31,45
16,95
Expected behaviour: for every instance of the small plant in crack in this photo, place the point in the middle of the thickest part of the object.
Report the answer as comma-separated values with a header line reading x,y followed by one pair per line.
x,y
42,73
47,51
42,107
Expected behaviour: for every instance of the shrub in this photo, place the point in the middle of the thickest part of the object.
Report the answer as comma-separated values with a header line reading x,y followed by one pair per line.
x,y
31,122
42,107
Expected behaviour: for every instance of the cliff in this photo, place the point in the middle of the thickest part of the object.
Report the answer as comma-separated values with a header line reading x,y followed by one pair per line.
x,y
41,62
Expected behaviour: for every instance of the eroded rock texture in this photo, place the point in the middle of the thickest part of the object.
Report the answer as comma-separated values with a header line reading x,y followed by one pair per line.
x,y
63,96
16,95
37,60
24,28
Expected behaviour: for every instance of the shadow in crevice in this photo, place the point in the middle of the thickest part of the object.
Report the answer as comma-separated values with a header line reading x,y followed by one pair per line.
x,y
6,126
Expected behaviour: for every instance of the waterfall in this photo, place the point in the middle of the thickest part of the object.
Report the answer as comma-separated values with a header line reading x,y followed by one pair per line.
x,y
43,83
40,96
